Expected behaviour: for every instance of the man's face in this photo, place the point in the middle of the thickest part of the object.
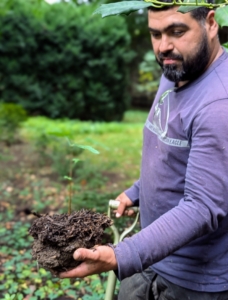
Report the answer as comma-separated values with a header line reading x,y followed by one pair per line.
x,y
180,44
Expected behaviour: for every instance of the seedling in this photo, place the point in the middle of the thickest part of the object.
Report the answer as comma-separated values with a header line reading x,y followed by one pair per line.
x,y
70,179
74,162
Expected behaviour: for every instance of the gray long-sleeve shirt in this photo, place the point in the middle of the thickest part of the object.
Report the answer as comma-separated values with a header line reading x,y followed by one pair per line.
x,y
183,186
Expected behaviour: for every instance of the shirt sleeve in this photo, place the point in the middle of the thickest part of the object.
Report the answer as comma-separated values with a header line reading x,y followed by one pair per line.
x,y
204,203
133,193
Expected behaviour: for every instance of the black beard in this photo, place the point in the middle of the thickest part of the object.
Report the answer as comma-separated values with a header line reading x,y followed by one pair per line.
x,y
191,68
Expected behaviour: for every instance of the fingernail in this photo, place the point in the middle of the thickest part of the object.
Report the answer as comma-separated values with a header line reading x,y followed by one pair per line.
x,y
76,255
118,215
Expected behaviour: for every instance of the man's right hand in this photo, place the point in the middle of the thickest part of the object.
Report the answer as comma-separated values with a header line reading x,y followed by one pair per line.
x,y
125,202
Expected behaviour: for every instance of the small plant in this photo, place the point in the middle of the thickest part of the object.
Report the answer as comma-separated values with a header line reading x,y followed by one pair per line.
x,y
11,117
70,179
72,165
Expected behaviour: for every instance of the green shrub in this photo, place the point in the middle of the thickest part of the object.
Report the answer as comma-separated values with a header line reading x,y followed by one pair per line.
x,y
11,117
226,46
62,61
149,74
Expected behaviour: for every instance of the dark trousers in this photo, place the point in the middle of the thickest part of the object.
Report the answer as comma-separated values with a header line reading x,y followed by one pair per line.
x,y
140,286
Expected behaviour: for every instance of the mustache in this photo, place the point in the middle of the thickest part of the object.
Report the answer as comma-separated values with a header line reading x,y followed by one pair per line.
x,y
170,55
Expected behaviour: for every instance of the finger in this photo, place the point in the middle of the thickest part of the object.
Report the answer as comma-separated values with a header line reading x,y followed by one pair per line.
x,y
129,213
120,210
79,272
82,254
88,265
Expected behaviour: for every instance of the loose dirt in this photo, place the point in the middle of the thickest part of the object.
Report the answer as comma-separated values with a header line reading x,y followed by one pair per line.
x,y
56,237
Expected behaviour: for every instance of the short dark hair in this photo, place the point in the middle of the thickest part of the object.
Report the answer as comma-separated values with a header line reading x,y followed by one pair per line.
x,y
199,14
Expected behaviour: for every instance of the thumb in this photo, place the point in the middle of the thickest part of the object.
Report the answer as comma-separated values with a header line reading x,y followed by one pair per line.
x,y
79,254
82,254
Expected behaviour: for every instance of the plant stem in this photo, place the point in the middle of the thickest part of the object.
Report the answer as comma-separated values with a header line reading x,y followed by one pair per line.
x,y
70,198
70,191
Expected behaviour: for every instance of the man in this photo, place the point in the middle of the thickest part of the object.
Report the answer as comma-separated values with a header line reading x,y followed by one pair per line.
x,y
182,250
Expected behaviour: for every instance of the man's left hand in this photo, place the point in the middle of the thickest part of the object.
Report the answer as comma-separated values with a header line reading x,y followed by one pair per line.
x,y
94,261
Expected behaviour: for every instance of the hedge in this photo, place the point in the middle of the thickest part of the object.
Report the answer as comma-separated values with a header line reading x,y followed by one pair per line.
x,y
62,61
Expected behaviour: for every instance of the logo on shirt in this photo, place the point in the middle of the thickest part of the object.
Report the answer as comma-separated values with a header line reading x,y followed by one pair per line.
x,y
159,124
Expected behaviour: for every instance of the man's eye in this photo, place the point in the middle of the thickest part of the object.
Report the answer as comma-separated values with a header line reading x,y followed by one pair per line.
x,y
178,32
155,35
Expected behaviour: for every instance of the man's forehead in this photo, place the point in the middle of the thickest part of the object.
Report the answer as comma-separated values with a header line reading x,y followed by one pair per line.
x,y
164,18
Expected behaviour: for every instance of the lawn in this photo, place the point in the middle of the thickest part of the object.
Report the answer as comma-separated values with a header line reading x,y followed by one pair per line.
x,y
32,179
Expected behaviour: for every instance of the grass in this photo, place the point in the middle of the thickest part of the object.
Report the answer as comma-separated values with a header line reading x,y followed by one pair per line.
x,y
119,144
31,179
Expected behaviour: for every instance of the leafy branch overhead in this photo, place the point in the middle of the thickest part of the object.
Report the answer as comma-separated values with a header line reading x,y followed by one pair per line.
x,y
127,7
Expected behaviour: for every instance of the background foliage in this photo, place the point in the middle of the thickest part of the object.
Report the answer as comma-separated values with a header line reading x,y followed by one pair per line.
x,y
11,117
60,61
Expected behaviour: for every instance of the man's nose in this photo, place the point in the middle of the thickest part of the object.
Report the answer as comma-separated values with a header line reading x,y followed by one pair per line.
x,y
165,44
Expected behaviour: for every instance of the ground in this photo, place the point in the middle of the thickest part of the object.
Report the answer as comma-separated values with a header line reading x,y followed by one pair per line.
x,y
28,183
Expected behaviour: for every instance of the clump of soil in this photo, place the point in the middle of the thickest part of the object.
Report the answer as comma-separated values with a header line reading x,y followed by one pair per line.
x,y
57,237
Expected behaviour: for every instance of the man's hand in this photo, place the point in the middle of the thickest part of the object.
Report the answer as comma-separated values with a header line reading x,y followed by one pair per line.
x,y
125,202
94,261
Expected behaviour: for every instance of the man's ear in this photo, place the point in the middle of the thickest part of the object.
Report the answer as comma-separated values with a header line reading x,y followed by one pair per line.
x,y
211,25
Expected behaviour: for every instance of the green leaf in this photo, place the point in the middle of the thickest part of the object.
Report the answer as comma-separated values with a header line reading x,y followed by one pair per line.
x,y
186,9
124,7
226,46
20,296
42,271
75,160
70,293
221,16
53,296
26,273
67,177
91,149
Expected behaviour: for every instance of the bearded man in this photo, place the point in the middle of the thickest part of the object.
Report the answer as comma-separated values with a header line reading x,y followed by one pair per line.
x,y
182,250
